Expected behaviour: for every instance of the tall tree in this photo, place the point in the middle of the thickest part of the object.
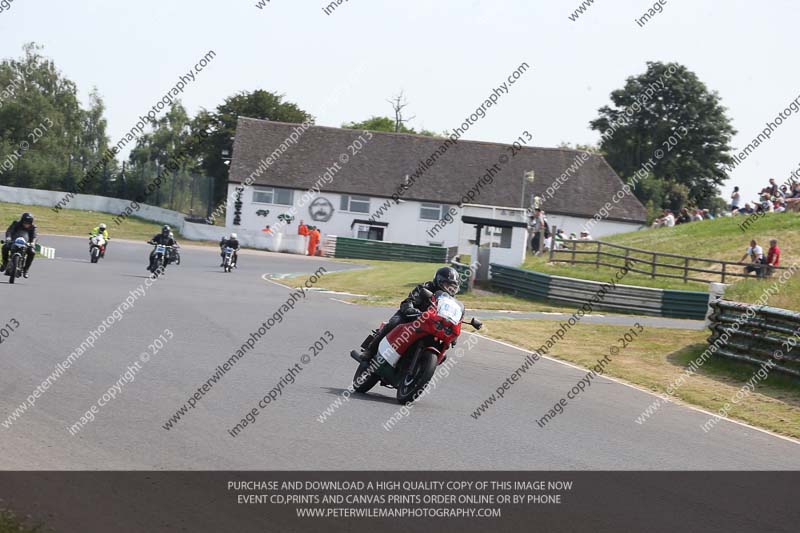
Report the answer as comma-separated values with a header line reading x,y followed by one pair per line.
x,y
668,108
40,121
220,125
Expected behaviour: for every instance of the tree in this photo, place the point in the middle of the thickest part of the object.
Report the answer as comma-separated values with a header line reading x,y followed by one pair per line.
x,y
582,148
385,124
388,125
215,150
668,108
167,139
40,111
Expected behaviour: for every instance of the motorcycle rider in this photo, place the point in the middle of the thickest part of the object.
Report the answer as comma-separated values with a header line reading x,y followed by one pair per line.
x,y
24,227
233,242
101,230
161,238
446,279
173,252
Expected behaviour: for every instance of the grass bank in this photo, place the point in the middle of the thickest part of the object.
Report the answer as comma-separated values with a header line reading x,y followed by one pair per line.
x,y
721,239
656,358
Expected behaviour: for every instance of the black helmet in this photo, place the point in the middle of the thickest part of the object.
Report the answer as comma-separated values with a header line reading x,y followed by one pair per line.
x,y
165,230
446,279
26,218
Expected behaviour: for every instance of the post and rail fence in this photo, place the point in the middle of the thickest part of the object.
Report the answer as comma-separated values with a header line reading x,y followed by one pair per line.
x,y
649,263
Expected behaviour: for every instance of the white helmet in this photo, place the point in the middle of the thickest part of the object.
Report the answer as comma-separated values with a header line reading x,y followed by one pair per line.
x,y
233,236
102,227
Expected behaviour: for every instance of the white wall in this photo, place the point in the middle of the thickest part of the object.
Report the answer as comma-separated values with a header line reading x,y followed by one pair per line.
x,y
404,224
192,231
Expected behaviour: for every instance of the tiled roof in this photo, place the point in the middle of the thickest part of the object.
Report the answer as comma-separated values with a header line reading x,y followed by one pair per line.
x,y
383,163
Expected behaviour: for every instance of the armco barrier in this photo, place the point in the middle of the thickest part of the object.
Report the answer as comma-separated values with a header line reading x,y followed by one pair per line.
x,y
346,247
576,292
756,334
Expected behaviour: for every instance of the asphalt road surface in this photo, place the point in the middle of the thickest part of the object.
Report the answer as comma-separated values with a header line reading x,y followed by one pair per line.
x,y
210,314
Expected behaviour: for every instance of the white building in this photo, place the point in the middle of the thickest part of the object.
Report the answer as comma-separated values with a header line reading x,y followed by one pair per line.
x,y
412,189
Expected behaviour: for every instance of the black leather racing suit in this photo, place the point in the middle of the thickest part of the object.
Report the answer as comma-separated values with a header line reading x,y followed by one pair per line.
x,y
410,308
17,230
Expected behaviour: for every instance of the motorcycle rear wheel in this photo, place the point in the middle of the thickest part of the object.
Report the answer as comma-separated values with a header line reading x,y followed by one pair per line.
x,y
416,378
366,377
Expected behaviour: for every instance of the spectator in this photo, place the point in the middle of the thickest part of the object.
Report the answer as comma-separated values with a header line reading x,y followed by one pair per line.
x,y
698,215
559,240
735,199
548,241
772,189
747,209
585,236
707,214
779,206
766,204
773,258
756,254
537,224
684,217
267,230
783,192
573,237
793,199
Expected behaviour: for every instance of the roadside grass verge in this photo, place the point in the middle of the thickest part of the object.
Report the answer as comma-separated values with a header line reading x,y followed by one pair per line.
x,y
75,222
78,223
657,357
387,283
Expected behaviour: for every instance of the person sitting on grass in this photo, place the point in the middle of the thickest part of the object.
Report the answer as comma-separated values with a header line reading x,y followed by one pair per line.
x,y
756,254
773,258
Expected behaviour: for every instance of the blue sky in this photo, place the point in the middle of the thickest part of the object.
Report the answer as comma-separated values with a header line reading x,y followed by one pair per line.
x,y
445,55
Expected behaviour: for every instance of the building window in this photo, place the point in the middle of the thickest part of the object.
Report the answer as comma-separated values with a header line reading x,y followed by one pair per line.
x,y
432,212
273,195
354,204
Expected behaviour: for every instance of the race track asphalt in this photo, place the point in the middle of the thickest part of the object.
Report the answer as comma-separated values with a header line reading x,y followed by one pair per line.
x,y
211,313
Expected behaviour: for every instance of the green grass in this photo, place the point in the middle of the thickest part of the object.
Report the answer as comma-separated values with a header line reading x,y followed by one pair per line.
x,y
10,523
657,357
720,239
387,283
77,222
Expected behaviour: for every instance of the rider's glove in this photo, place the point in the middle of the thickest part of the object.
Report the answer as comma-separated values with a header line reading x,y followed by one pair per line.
x,y
412,313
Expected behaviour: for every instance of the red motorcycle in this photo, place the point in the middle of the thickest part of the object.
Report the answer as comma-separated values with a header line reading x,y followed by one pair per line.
x,y
408,356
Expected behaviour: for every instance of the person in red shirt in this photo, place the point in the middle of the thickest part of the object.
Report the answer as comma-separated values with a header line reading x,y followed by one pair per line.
x,y
773,257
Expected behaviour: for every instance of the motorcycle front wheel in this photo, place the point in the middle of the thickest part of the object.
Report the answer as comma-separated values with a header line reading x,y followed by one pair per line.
x,y
365,377
95,254
12,269
416,378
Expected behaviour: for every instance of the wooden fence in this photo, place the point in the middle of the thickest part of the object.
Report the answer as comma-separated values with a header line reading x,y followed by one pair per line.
x,y
649,263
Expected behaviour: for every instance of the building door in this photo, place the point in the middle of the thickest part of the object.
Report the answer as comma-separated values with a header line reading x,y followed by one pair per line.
x,y
375,233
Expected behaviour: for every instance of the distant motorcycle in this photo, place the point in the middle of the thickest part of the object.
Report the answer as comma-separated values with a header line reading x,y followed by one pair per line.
x,y
158,259
17,259
227,259
97,248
